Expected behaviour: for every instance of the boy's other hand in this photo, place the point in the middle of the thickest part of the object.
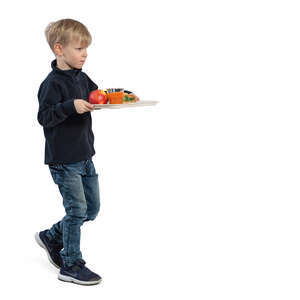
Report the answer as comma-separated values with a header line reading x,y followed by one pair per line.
x,y
83,106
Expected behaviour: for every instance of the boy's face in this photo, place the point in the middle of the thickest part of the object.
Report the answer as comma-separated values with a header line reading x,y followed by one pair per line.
x,y
71,56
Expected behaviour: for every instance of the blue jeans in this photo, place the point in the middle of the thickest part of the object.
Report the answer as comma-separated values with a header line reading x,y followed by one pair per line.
x,y
79,187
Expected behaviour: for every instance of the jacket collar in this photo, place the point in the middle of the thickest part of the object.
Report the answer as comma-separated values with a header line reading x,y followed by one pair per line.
x,y
72,72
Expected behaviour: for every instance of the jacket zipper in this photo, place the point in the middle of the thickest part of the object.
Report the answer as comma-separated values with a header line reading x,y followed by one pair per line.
x,y
80,91
81,94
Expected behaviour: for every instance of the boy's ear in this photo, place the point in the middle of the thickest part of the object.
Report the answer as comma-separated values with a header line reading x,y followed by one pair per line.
x,y
57,49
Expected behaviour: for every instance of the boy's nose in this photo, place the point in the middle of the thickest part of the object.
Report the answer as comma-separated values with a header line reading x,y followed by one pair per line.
x,y
84,54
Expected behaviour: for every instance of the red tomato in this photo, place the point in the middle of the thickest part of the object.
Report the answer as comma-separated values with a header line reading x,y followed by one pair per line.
x,y
98,97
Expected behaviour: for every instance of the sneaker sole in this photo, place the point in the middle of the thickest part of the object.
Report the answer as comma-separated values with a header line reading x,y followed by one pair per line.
x,y
71,279
41,244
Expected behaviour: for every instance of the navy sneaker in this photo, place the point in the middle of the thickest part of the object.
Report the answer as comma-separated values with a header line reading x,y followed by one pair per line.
x,y
79,273
51,246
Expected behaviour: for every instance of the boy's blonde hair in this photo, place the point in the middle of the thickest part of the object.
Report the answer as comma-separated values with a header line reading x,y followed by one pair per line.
x,y
65,31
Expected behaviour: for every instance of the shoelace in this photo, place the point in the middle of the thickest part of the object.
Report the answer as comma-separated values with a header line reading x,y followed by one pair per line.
x,y
55,246
80,263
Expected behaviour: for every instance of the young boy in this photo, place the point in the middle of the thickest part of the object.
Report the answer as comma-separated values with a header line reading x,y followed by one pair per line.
x,y
64,113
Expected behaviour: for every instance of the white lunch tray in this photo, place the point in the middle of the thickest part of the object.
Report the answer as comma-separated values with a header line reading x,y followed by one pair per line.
x,y
123,105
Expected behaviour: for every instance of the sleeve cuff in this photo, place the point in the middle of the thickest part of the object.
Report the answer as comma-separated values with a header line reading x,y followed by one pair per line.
x,y
69,107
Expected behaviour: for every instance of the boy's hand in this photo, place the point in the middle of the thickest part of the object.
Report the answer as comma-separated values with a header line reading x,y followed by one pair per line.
x,y
83,106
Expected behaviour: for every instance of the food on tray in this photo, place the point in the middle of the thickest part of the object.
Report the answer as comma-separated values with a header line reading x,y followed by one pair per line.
x,y
115,96
128,98
98,97
112,96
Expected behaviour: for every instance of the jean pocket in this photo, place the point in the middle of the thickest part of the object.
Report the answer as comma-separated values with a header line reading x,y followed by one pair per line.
x,y
57,167
56,171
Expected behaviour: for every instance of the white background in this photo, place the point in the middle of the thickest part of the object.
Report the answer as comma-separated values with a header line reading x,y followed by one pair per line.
x,y
199,194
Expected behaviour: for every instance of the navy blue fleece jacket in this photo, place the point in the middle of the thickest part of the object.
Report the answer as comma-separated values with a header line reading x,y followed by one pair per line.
x,y
69,136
